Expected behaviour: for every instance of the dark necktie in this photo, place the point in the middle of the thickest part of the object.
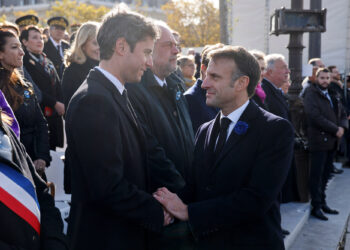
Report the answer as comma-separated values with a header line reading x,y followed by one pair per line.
x,y
130,108
59,49
224,123
329,98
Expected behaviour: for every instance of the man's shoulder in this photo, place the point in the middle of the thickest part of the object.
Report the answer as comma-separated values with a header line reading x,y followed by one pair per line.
x,y
195,89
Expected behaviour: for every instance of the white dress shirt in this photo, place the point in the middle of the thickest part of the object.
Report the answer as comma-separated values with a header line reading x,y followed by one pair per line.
x,y
160,82
113,79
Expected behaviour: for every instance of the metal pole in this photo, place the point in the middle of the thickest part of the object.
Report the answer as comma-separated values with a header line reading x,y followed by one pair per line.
x,y
223,21
295,48
315,37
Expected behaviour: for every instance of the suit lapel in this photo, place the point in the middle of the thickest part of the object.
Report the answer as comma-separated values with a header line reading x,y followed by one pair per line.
x,y
275,92
248,116
96,75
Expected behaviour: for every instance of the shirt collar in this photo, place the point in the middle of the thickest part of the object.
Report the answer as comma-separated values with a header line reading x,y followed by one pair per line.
x,y
113,79
160,82
54,42
236,114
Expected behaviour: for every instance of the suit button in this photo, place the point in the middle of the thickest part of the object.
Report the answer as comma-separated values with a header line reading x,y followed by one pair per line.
x,y
175,114
209,188
325,139
34,238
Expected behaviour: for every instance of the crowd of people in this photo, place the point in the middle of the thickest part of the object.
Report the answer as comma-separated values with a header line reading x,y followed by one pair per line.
x,y
164,150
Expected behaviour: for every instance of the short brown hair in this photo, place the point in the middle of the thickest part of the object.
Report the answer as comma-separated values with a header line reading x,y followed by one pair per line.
x,y
246,64
206,50
123,24
325,70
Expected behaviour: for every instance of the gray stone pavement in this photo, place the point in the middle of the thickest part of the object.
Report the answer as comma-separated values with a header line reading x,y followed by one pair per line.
x,y
326,235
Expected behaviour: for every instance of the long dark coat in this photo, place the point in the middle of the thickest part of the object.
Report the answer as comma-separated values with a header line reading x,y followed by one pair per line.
x,y
51,93
323,120
164,115
74,75
33,125
111,203
233,199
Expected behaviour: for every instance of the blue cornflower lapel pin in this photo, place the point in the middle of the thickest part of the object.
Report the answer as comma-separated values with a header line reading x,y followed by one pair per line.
x,y
178,95
241,128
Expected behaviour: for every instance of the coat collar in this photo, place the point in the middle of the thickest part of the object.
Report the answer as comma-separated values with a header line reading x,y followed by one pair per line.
x,y
97,76
267,84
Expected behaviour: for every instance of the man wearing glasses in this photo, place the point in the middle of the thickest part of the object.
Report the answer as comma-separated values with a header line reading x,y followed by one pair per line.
x,y
163,111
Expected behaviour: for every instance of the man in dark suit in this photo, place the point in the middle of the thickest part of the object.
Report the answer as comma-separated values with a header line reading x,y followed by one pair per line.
x,y
159,103
200,112
55,46
277,73
111,204
326,123
241,160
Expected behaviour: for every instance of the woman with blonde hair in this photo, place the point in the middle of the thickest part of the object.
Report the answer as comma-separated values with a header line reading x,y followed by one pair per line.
x,y
83,55
188,69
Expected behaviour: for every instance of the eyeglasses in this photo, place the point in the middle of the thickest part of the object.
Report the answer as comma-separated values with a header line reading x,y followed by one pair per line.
x,y
170,45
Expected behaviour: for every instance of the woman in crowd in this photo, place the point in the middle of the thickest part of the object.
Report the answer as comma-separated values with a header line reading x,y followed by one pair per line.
x,y
188,68
20,96
29,219
45,76
83,55
259,96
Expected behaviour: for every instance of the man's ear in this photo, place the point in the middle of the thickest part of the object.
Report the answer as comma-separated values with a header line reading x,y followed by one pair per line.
x,y
243,82
121,46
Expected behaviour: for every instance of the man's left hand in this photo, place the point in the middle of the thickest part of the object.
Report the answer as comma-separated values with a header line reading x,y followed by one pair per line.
x,y
172,203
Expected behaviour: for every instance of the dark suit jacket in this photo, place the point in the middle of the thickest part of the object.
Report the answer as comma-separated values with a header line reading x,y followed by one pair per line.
x,y
323,120
275,102
233,202
164,115
52,53
111,206
200,112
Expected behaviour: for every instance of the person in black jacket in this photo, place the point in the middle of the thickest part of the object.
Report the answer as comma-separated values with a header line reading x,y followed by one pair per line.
x,y
83,56
45,76
29,219
326,123
55,46
20,95
112,207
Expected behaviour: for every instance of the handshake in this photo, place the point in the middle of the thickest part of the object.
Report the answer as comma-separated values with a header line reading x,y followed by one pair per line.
x,y
172,205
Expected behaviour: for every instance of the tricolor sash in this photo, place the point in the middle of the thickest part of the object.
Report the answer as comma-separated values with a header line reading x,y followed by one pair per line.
x,y
18,193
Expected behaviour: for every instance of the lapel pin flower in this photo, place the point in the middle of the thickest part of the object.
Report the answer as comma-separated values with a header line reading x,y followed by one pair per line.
x,y
178,95
31,61
240,128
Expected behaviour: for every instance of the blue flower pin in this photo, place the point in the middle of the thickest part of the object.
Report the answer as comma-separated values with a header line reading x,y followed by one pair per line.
x,y
178,95
241,128
26,94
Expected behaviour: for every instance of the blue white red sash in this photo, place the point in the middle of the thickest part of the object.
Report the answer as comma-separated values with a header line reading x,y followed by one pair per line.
x,y
18,194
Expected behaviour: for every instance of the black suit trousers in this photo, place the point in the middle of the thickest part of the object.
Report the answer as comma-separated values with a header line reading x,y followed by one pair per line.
x,y
321,167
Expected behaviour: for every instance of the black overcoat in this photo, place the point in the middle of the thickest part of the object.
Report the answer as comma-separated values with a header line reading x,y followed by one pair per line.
x,y
51,93
111,206
164,115
323,120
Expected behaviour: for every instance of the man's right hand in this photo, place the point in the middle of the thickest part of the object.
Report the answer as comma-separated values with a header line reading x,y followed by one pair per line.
x,y
340,132
59,107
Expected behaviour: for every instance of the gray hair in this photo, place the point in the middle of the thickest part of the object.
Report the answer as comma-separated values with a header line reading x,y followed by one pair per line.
x,y
271,60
